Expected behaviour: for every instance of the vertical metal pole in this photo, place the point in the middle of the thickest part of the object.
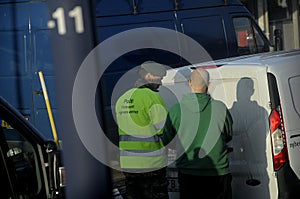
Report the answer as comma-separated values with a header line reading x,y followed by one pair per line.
x,y
73,37
296,23
278,40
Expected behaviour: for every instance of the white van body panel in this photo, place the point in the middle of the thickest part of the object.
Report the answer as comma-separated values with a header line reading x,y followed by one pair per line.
x,y
242,84
245,92
287,73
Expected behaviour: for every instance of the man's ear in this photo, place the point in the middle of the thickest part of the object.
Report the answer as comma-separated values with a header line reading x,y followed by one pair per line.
x,y
148,76
190,83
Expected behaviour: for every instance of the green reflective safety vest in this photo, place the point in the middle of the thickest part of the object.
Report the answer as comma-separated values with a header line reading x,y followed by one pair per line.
x,y
141,114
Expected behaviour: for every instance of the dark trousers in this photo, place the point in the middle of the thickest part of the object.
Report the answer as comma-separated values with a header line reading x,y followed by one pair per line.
x,y
150,185
205,187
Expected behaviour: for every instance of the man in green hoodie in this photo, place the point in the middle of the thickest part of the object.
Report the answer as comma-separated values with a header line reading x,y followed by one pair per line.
x,y
200,127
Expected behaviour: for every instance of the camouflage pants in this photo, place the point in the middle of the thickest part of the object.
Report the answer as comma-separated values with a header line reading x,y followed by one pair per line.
x,y
150,185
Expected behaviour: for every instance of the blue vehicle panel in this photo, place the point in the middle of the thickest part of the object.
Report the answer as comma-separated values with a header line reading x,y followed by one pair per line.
x,y
25,46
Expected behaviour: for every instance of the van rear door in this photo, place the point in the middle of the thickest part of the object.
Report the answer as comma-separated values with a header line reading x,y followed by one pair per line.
x,y
244,89
285,82
292,123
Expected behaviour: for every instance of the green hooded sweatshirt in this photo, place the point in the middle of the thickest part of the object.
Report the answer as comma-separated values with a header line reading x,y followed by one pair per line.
x,y
202,127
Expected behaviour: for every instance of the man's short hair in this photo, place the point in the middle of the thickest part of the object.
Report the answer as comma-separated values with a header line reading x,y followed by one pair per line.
x,y
200,78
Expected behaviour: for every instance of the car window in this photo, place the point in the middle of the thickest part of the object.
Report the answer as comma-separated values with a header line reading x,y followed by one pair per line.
x,y
20,154
294,83
6,189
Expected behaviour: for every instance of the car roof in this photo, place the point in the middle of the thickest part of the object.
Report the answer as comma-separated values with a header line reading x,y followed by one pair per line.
x,y
8,111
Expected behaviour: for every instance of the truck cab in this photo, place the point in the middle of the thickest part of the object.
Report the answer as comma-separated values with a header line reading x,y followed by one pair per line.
x,y
224,28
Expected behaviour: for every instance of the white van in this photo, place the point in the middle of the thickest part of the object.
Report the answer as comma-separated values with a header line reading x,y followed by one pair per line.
x,y
262,93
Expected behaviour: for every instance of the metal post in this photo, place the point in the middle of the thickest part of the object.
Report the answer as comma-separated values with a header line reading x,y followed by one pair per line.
x,y
73,37
48,106
278,40
296,23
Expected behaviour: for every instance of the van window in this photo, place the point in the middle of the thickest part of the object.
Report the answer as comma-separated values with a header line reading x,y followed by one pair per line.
x,y
22,160
209,32
248,37
294,86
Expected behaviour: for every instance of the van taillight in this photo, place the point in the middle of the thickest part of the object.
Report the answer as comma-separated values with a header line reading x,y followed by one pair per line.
x,y
280,156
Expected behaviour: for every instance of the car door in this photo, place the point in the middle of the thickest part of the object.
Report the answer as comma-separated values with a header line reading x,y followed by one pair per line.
x,y
21,161
21,156
6,177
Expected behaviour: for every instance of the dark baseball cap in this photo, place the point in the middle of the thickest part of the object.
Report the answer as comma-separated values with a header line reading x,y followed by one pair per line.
x,y
154,68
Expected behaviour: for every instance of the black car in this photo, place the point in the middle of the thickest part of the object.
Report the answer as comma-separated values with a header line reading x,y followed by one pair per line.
x,y
30,165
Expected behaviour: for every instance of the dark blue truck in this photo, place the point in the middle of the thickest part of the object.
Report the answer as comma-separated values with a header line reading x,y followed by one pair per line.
x,y
224,28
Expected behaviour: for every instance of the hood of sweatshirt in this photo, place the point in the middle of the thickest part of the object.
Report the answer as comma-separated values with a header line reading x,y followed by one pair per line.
x,y
195,102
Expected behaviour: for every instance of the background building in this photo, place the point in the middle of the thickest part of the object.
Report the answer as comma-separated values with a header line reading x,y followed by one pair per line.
x,y
278,17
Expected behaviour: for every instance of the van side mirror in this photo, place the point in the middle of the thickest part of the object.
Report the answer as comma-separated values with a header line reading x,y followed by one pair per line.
x,y
50,146
57,179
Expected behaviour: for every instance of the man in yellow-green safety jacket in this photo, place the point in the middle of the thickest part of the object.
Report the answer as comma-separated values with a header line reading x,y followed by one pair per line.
x,y
141,113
